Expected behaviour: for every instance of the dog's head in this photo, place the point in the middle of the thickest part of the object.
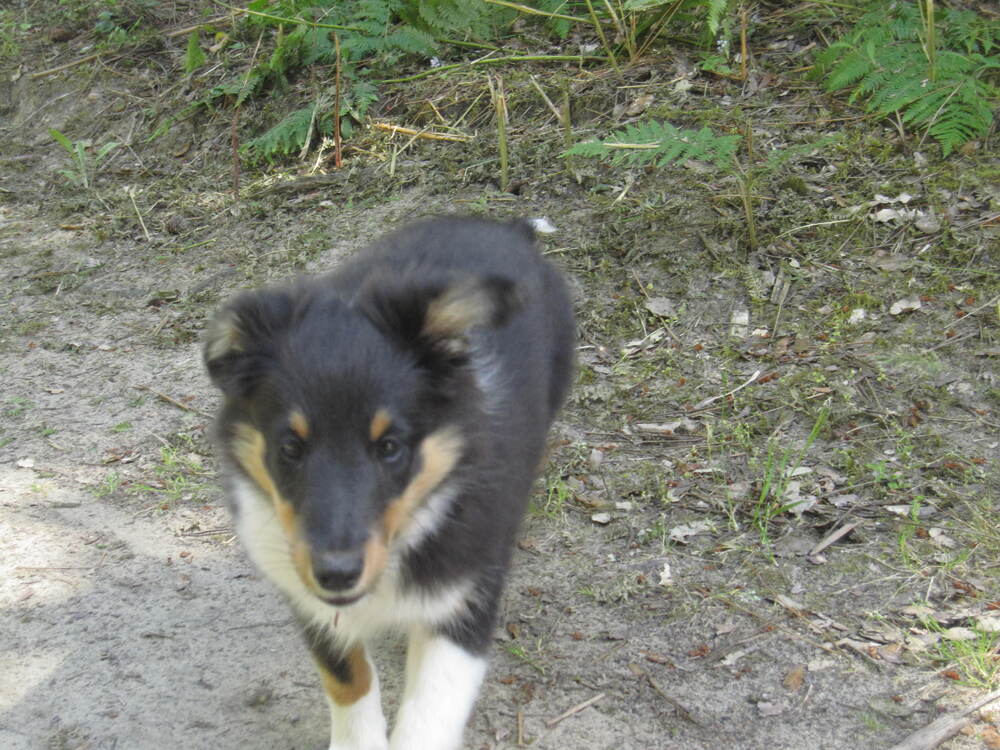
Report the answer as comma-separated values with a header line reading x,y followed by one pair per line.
x,y
348,415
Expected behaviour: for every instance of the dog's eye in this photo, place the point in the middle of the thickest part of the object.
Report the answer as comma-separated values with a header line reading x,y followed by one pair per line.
x,y
388,449
291,449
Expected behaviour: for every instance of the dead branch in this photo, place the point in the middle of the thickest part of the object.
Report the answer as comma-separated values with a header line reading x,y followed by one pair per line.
x,y
944,727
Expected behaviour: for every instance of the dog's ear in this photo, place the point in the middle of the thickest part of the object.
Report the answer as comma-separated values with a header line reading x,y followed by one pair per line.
x,y
436,316
240,342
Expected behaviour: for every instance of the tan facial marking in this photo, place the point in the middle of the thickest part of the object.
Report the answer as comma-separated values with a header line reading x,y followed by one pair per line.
x,y
439,452
299,424
347,693
248,447
381,423
376,556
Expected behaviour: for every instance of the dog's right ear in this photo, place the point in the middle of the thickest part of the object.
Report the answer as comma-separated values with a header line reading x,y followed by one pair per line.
x,y
240,342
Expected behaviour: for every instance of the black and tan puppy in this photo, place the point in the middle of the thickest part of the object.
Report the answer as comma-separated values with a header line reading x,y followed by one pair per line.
x,y
381,430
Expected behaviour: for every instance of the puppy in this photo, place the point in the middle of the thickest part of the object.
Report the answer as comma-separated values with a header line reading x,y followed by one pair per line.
x,y
380,433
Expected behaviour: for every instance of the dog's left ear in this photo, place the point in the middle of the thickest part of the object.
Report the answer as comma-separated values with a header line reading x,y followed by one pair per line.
x,y
437,316
240,344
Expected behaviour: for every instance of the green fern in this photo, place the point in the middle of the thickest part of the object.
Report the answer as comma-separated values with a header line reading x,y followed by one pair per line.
x,y
194,58
949,95
448,17
662,143
716,12
370,33
290,134
287,136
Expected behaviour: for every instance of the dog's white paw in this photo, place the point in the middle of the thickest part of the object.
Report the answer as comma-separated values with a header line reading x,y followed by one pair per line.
x,y
371,744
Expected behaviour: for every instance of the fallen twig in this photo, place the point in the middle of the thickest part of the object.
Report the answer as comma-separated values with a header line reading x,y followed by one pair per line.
x,y
944,727
575,710
580,59
681,711
208,532
131,196
713,399
831,538
952,340
172,401
430,135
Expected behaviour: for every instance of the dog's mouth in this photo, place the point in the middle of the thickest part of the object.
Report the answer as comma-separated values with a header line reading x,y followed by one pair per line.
x,y
342,601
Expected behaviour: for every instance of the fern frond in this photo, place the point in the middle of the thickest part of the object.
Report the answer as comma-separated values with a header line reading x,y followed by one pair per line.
x,y
287,136
967,115
971,32
896,94
855,66
411,40
446,17
661,142
716,12
882,61
317,47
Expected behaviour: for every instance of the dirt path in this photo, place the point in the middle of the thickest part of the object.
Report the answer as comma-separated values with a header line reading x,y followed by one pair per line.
x,y
133,620
657,584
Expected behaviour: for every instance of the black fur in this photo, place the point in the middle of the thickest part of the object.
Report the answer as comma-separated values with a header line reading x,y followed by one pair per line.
x,y
495,366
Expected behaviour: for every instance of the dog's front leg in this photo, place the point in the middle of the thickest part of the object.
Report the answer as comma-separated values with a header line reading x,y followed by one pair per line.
x,y
351,686
442,681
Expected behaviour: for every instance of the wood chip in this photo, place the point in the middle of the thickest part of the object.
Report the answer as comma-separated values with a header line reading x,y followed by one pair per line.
x,y
575,710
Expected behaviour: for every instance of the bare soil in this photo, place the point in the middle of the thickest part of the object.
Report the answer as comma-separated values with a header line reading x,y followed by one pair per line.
x,y
658,578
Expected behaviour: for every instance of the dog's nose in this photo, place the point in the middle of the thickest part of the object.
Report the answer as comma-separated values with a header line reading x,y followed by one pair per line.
x,y
338,571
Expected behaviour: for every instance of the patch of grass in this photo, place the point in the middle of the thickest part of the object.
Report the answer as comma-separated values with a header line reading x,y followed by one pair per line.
x,y
179,475
109,485
519,652
620,590
972,654
777,472
17,406
873,722
911,527
656,532
85,158
12,31
651,142
557,492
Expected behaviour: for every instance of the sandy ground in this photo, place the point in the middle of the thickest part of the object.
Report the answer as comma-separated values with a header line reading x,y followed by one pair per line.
x,y
131,619
133,623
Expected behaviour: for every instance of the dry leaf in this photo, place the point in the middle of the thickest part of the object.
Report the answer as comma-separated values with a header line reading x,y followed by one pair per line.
x,y
907,304
665,576
991,738
891,652
639,105
960,634
661,306
795,679
988,623
680,427
681,533
739,321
